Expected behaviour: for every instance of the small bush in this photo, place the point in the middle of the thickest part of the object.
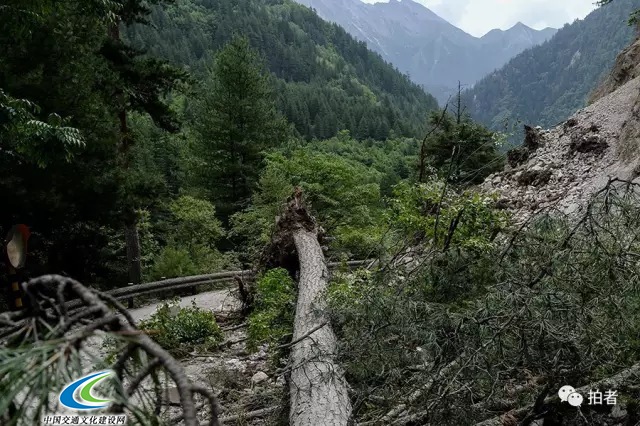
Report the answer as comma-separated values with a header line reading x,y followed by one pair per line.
x,y
180,330
172,262
274,310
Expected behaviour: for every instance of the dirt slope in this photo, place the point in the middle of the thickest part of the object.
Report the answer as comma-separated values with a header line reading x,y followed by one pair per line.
x,y
625,69
563,166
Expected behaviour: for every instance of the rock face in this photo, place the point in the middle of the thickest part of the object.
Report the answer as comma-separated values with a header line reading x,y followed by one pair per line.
x,y
626,68
562,167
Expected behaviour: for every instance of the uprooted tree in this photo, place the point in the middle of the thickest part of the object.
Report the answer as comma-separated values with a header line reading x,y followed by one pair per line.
x,y
318,390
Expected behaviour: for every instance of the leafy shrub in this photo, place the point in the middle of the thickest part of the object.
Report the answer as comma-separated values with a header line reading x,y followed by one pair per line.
x,y
195,221
274,310
192,233
200,259
466,219
180,330
172,262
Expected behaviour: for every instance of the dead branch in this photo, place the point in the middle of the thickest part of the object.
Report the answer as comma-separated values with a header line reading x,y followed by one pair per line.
x,y
110,316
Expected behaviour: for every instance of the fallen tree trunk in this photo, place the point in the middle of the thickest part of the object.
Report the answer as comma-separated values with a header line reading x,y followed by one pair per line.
x,y
318,390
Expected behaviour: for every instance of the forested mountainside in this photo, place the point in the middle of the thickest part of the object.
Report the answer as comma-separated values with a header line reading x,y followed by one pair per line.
x,y
103,145
325,80
547,83
119,168
431,50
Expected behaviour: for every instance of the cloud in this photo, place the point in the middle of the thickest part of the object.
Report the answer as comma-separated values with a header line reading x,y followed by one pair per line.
x,y
477,17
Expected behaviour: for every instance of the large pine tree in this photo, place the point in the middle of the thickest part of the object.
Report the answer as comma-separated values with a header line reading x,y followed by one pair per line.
x,y
236,122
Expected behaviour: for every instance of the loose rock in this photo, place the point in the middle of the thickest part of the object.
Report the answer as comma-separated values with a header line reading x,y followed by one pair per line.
x,y
568,163
259,377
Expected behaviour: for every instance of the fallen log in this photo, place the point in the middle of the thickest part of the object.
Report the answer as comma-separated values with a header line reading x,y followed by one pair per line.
x,y
318,390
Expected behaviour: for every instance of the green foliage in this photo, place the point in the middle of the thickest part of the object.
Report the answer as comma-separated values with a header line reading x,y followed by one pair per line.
x,y
63,57
347,289
324,80
172,262
463,151
191,234
546,84
181,330
553,304
343,194
235,120
274,309
24,138
130,162
149,246
435,213
195,221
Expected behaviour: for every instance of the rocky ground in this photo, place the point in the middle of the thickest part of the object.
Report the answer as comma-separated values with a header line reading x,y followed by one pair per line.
x,y
560,168
248,390
246,384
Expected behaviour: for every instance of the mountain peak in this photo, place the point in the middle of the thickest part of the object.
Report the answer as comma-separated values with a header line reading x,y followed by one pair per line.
x,y
436,53
520,26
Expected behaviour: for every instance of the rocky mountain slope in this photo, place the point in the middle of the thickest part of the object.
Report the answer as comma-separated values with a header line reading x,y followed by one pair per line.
x,y
562,167
432,51
626,68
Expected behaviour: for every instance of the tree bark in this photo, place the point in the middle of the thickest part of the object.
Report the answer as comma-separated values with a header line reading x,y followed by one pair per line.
x,y
131,226
318,390
133,253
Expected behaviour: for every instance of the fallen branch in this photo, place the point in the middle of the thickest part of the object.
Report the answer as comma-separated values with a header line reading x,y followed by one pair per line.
x,y
235,327
300,339
415,395
250,415
613,382
67,334
231,419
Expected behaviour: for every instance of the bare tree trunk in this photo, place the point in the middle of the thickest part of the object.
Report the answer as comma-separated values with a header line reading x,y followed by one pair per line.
x,y
318,390
133,253
131,226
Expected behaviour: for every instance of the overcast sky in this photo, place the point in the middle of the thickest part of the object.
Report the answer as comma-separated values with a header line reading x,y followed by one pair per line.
x,y
477,17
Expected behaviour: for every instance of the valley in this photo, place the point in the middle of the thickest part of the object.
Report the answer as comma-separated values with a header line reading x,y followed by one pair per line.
x,y
319,213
